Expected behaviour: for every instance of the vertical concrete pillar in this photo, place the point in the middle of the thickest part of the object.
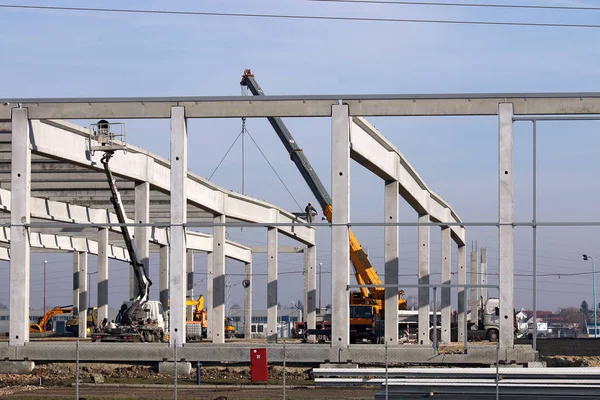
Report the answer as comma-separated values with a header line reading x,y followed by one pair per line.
x,y
462,280
506,232
20,191
218,322
141,233
391,254
178,218
484,280
248,303
190,282
83,294
424,271
210,274
446,280
75,283
310,268
474,300
340,250
164,276
272,266
102,274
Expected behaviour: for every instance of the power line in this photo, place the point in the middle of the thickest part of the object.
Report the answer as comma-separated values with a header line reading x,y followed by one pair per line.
x,y
299,17
480,5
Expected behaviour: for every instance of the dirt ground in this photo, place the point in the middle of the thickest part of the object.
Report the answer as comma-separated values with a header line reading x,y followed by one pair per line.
x,y
55,381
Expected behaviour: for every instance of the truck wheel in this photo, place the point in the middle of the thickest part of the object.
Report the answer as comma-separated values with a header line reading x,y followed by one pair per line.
x,y
492,335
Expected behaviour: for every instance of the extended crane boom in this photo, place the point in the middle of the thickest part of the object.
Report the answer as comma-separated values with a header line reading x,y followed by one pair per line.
x,y
364,271
139,270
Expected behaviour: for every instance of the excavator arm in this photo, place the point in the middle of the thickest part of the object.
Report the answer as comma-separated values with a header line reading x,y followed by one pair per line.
x,y
364,271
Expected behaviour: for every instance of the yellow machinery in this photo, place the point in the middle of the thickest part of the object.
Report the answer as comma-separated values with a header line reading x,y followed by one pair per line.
x,y
44,324
366,305
72,325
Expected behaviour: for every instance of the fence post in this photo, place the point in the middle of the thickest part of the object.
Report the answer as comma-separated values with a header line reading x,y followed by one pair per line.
x,y
284,369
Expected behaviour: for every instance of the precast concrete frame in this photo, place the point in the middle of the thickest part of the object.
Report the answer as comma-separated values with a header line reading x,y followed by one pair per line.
x,y
341,108
66,142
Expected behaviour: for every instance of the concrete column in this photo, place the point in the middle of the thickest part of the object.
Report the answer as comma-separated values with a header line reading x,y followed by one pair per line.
x,y
75,283
102,274
506,232
424,271
20,190
164,276
141,233
340,250
391,254
210,274
83,294
473,296
272,265
190,282
218,322
310,265
484,280
462,280
445,292
248,303
178,218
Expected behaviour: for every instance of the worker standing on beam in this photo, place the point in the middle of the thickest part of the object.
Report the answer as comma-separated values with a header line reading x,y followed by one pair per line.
x,y
310,212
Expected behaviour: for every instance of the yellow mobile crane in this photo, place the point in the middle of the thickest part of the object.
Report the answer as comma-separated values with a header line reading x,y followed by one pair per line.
x,y
367,305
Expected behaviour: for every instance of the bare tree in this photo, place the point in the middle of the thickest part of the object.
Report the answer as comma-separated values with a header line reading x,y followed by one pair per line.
x,y
299,305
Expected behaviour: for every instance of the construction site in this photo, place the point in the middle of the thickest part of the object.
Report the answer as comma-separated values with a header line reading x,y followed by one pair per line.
x,y
86,190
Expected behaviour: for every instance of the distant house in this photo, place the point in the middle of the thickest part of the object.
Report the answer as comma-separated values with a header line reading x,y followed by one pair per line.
x,y
286,317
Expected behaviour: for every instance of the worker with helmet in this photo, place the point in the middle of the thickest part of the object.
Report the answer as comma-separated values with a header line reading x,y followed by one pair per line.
x,y
310,212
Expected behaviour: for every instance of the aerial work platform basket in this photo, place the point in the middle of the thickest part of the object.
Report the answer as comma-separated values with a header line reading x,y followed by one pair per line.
x,y
106,136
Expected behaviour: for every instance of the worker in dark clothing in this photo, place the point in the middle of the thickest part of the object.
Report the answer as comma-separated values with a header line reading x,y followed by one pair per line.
x,y
310,212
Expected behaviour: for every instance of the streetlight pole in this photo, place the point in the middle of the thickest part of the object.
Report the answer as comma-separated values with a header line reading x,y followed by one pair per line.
x,y
585,258
45,262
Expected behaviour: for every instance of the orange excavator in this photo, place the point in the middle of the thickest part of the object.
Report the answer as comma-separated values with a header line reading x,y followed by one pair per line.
x,y
367,305
44,324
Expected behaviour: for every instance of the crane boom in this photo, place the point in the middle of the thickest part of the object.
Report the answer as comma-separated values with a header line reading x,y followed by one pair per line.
x,y
365,273
139,270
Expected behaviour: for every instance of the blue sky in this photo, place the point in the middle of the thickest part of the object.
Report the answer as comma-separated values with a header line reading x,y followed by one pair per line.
x,y
69,54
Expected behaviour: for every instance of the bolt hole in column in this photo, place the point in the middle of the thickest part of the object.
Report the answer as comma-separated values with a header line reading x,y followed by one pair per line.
x,y
506,317
18,175
176,158
341,173
339,339
505,172
175,329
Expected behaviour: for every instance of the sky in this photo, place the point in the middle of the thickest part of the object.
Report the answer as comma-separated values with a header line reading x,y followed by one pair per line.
x,y
92,54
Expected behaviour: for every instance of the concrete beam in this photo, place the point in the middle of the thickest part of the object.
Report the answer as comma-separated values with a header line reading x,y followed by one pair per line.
x,y
424,273
219,275
484,271
282,249
19,272
506,230
307,105
272,280
102,274
340,251
164,277
462,280
446,279
371,149
178,173
141,233
391,259
83,293
310,277
248,302
68,142
474,299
